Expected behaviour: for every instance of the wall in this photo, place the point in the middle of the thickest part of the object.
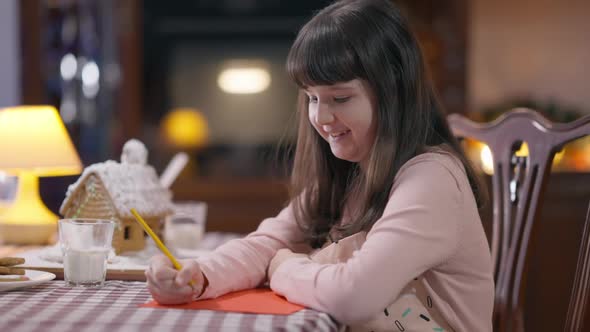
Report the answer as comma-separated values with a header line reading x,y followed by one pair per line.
x,y
535,48
234,119
9,74
9,53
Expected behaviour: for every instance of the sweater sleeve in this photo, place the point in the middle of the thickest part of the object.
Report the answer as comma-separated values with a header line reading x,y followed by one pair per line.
x,y
242,263
417,231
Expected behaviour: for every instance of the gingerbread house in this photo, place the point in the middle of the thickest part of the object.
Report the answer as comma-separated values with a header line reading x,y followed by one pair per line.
x,y
110,189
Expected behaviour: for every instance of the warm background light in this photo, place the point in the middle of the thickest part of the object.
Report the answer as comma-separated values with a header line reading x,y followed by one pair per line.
x,y
185,128
244,78
487,160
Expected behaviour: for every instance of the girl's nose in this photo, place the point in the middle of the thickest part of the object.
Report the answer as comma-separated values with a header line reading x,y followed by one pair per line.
x,y
324,115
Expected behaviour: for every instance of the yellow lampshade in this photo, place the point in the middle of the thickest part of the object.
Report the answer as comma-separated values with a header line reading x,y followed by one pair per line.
x,y
33,142
34,139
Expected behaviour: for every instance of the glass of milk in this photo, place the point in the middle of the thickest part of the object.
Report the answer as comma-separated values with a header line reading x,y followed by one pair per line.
x,y
85,245
186,226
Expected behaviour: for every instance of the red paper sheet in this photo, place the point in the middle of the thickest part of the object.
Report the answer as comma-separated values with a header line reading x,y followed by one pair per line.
x,y
256,301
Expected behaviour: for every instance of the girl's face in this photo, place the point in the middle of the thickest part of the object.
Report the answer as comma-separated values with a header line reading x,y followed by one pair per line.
x,y
344,115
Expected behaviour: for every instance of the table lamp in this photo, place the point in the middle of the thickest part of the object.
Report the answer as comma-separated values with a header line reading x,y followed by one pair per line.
x,y
33,142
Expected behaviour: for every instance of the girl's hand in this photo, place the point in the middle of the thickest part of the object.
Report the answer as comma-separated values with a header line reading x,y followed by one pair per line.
x,y
169,286
281,256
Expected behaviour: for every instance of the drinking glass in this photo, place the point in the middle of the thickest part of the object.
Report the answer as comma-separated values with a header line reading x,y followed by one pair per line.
x,y
85,245
186,226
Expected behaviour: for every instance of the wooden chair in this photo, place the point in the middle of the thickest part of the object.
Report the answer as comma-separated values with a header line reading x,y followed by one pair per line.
x,y
517,185
579,298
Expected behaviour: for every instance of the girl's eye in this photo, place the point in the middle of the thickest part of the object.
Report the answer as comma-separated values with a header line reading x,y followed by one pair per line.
x,y
341,99
313,99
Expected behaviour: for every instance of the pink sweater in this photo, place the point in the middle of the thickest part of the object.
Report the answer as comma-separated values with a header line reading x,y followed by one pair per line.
x,y
430,229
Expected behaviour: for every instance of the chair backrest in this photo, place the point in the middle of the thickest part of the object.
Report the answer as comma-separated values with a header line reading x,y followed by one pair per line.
x,y
579,298
517,187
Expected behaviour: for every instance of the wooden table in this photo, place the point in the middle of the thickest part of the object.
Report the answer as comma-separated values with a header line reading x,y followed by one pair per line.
x,y
12,250
115,271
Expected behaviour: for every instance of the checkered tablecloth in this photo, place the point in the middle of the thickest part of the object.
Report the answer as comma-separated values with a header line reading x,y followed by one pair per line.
x,y
54,307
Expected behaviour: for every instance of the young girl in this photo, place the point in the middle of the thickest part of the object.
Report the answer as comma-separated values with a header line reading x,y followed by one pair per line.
x,y
382,230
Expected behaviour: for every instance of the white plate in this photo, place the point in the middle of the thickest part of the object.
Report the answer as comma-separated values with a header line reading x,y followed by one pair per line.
x,y
36,278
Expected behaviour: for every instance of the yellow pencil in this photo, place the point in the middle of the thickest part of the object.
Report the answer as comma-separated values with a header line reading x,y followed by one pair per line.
x,y
157,240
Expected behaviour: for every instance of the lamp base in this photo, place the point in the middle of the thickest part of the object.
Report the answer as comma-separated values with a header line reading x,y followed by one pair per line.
x,y
27,220
26,234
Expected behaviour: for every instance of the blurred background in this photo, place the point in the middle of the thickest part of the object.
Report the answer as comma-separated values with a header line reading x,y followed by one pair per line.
x,y
169,73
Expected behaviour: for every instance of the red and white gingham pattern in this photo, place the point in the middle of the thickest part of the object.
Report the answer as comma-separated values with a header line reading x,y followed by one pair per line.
x,y
52,307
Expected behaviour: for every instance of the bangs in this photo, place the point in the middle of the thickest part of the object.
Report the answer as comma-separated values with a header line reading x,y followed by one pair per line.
x,y
321,56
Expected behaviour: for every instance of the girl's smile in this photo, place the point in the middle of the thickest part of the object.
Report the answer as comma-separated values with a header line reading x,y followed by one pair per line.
x,y
339,135
343,114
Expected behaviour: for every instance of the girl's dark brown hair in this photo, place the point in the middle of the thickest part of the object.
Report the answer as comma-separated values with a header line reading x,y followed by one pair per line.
x,y
371,41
